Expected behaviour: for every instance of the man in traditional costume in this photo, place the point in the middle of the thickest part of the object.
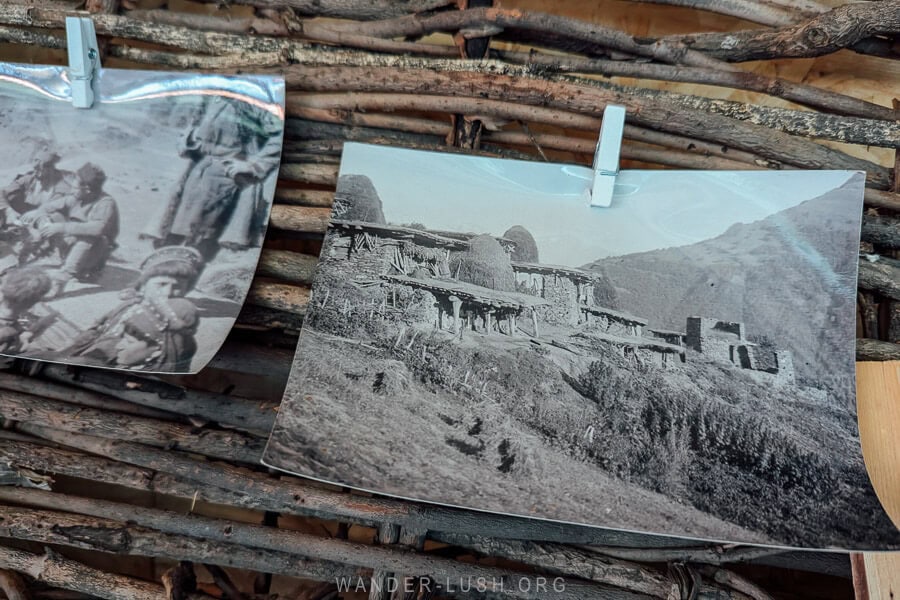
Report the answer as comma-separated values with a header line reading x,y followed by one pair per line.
x,y
149,337
83,227
154,312
234,148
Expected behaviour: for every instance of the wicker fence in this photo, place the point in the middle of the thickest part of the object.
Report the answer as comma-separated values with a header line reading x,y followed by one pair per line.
x,y
154,484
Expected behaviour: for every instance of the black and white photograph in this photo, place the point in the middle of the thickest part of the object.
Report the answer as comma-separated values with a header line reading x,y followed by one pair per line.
x,y
680,363
130,231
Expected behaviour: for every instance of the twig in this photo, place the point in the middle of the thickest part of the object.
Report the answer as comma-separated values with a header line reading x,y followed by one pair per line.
x,y
342,113
277,322
697,156
643,101
293,218
500,109
279,296
303,197
500,19
882,199
556,558
265,26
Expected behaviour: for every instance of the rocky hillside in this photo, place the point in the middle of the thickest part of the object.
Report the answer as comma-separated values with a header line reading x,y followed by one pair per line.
x,y
790,277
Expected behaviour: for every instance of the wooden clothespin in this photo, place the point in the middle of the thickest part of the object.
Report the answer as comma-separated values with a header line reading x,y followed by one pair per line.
x,y
606,156
84,59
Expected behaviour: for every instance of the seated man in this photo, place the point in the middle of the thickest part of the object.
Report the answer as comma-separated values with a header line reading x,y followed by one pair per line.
x,y
34,187
83,227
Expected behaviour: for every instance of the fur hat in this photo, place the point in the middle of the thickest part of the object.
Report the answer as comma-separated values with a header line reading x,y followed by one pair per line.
x,y
181,262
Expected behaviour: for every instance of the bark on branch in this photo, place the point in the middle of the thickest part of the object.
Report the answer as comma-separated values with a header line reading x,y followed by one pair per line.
x,y
877,350
146,391
880,276
228,445
218,482
516,86
104,535
840,28
499,19
749,10
61,572
282,50
627,576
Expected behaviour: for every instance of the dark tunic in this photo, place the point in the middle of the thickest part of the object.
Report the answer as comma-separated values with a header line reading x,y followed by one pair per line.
x,y
90,232
176,340
210,206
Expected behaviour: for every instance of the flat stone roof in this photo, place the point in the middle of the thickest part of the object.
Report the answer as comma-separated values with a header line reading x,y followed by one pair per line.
x,y
635,342
544,269
470,292
603,311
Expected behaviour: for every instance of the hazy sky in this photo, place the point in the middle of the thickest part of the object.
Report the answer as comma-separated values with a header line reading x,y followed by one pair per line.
x,y
650,210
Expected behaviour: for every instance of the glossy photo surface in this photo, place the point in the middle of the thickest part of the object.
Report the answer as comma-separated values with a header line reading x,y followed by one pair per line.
x,y
680,363
130,231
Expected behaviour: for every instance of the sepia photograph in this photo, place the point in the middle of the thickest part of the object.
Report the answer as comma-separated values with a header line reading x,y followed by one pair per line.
x,y
130,231
680,363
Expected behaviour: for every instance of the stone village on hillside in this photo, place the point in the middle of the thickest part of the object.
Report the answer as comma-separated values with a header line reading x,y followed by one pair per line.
x,y
479,286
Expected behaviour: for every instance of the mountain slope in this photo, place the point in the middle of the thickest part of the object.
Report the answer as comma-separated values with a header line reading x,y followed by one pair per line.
x,y
790,277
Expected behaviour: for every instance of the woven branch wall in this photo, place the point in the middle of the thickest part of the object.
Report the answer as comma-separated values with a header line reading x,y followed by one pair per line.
x,y
156,490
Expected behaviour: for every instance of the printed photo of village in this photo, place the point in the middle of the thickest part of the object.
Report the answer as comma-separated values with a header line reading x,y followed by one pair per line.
x,y
681,363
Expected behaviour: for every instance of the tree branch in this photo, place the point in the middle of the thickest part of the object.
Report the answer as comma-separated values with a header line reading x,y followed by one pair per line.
x,y
839,28
880,276
221,483
104,535
228,445
192,527
57,571
749,10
